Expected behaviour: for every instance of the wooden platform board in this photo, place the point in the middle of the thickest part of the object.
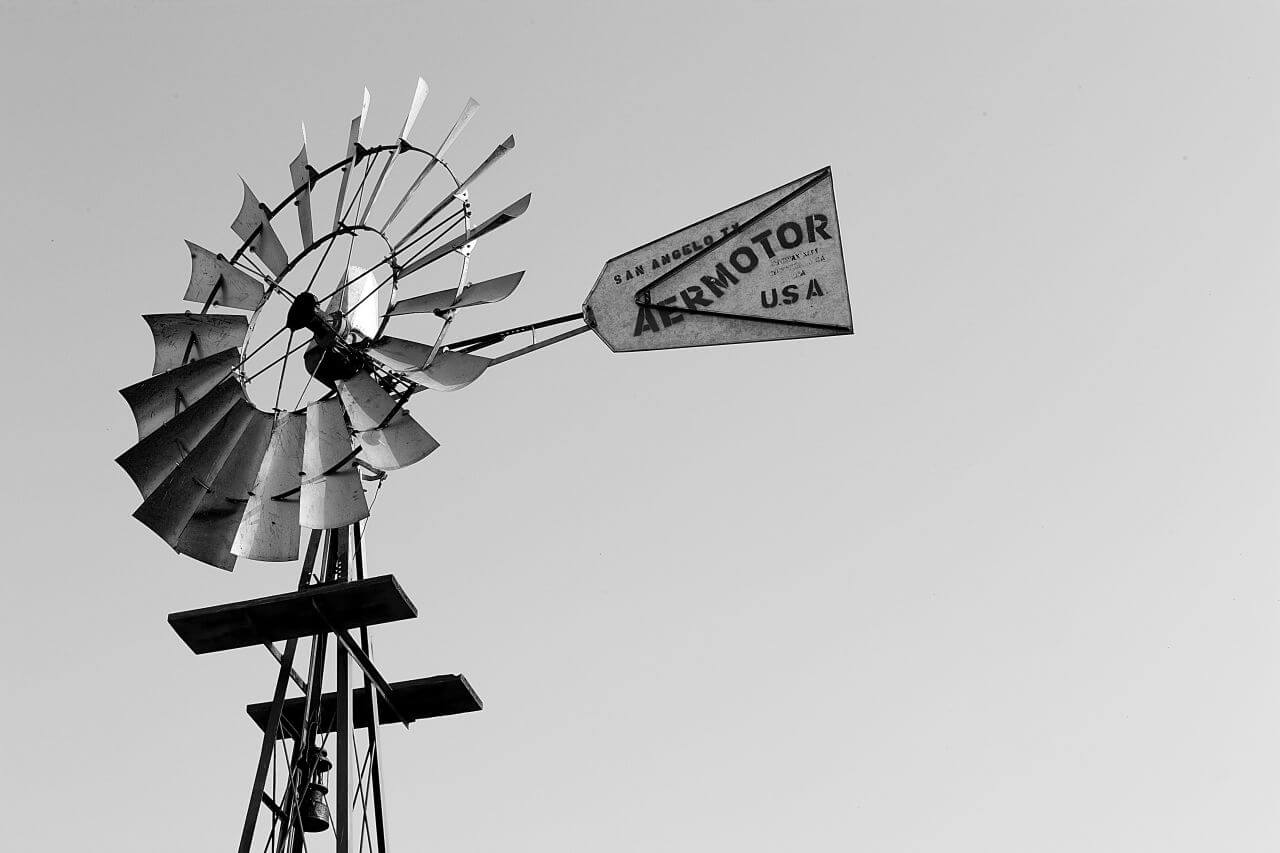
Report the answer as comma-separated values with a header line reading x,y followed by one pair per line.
x,y
296,614
419,699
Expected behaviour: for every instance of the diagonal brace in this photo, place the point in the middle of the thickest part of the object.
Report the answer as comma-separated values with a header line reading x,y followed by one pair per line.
x,y
365,663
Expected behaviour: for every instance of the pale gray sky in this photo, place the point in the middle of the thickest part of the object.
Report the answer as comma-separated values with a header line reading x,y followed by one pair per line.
x,y
999,573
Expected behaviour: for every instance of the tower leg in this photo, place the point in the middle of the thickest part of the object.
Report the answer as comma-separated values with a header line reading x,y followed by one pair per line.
x,y
375,748
273,720
343,823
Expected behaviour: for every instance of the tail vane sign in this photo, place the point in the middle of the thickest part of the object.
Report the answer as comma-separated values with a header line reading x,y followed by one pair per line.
x,y
768,269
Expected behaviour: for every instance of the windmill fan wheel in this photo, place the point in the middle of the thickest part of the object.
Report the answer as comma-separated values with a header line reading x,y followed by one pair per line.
x,y
223,476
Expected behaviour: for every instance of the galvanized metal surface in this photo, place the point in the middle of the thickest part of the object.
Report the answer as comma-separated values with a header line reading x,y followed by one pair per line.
x,y
448,371
332,494
253,224
153,458
468,112
185,337
168,509
415,106
212,528
215,278
388,437
158,400
478,293
771,268
268,530
353,140
300,174
459,192
507,214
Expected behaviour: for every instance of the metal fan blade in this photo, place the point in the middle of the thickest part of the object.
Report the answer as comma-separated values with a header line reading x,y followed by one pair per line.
x,y
153,458
212,529
253,225
301,176
353,140
507,144
419,95
389,438
480,293
448,371
493,223
186,337
168,509
216,281
160,399
467,112
332,495
269,529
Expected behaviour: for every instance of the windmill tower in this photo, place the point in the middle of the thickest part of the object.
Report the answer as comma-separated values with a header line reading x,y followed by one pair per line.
x,y
277,477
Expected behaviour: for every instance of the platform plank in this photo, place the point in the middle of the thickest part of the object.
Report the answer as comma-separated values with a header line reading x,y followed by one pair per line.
x,y
419,699
295,614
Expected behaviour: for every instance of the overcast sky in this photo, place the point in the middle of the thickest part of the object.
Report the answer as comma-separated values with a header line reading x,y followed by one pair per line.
x,y
998,573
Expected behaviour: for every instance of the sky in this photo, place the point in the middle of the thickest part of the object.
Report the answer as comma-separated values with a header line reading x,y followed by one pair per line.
x,y
997,573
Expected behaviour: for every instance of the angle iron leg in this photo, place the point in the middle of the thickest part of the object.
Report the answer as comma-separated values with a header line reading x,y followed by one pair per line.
x,y
375,748
273,720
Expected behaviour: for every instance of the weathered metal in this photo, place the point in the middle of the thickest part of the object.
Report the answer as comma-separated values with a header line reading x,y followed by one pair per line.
x,y
187,337
332,494
212,529
153,458
253,225
448,371
419,96
388,437
216,281
458,193
353,154
158,400
468,112
478,293
300,173
169,509
268,529
771,268
507,214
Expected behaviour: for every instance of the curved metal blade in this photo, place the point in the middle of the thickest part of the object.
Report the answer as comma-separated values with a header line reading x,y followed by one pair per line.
x,y
467,112
301,177
252,224
153,458
170,507
506,145
448,371
269,529
353,140
332,495
480,293
186,337
419,95
212,528
234,288
510,212
388,437
158,400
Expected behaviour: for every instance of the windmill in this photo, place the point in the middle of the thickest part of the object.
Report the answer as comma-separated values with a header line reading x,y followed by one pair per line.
x,y
226,476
